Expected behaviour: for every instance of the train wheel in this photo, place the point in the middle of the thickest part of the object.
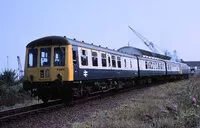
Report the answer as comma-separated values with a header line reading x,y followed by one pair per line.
x,y
149,81
45,99
42,94
67,94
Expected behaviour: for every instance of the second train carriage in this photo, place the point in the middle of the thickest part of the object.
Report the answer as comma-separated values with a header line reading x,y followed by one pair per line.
x,y
58,67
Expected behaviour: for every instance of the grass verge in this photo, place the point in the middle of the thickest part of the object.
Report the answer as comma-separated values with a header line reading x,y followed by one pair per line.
x,y
163,106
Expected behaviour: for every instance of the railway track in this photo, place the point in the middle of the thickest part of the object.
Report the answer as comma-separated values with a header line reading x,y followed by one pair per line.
x,y
24,111
14,114
17,113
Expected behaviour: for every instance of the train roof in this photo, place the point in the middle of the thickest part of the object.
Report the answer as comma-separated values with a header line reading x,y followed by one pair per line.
x,y
58,40
141,52
47,41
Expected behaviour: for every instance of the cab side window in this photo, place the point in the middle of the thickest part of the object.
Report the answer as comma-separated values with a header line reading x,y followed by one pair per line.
x,y
84,57
74,57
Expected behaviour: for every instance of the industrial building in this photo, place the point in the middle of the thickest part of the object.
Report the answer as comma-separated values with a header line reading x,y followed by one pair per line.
x,y
194,66
140,52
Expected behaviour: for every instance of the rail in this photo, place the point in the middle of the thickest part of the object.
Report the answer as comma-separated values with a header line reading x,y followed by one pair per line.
x,y
13,113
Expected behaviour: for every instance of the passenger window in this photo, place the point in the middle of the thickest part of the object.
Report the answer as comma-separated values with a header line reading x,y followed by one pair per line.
x,y
153,63
84,58
125,63
150,65
146,65
45,56
59,56
32,57
130,64
74,57
103,59
119,62
94,59
109,64
113,61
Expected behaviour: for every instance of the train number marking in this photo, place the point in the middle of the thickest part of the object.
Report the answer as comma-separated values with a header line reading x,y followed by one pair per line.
x,y
60,69
85,73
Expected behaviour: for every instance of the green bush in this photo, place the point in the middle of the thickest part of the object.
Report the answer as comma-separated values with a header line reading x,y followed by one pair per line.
x,y
9,93
9,77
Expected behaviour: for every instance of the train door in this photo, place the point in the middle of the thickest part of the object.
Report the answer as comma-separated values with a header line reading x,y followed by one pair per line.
x,y
75,62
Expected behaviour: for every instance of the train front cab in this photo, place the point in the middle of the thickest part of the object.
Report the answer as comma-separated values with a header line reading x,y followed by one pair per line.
x,y
48,71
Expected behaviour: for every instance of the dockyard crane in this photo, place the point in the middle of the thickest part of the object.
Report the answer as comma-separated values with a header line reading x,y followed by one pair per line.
x,y
20,71
153,48
148,43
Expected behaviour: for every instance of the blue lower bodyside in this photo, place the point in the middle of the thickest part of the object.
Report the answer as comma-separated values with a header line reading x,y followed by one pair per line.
x,y
94,74
173,72
152,73
100,74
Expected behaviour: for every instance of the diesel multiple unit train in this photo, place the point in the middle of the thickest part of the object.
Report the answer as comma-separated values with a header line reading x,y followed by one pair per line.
x,y
58,67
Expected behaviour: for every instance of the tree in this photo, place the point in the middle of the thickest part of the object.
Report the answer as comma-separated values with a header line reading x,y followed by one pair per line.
x,y
9,77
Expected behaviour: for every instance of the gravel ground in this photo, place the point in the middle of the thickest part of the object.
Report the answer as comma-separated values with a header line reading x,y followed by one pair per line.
x,y
65,117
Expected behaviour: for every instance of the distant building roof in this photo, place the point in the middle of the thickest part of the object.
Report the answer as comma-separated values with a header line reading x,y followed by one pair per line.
x,y
140,52
193,63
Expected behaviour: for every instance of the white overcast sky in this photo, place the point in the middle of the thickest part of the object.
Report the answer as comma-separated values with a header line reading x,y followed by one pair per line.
x,y
170,24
